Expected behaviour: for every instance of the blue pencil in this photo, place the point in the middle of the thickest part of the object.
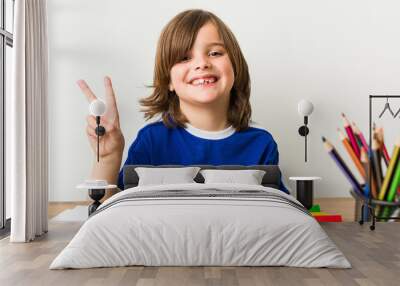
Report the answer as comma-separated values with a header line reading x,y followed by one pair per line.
x,y
368,179
366,209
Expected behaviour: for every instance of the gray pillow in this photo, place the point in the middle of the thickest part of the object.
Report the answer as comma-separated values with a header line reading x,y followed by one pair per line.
x,y
163,176
248,177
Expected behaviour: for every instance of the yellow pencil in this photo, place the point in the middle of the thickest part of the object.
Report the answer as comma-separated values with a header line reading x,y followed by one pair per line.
x,y
390,170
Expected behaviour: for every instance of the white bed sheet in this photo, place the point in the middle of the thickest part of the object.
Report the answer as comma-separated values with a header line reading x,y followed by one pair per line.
x,y
200,231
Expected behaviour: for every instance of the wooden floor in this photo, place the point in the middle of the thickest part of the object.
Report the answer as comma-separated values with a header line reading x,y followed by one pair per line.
x,y
55,208
374,255
342,206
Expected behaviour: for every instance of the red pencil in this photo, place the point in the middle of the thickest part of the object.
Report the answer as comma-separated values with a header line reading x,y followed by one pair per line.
x,y
380,136
358,132
352,155
350,133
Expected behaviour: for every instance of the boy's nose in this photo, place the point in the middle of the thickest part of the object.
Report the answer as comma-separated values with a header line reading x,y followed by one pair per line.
x,y
202,63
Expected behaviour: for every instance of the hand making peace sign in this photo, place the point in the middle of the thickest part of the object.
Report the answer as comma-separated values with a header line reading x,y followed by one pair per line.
x,y
112,143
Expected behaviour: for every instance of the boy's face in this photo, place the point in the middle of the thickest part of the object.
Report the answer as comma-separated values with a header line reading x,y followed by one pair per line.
x,y
205,75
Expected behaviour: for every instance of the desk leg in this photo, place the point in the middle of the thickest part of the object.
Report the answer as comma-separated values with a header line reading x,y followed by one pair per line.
x,y
304,193
96,195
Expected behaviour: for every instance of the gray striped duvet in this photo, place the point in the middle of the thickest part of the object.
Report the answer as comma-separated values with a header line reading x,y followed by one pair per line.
x,y
201,224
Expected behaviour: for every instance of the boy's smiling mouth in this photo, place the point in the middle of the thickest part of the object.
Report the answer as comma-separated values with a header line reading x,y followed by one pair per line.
x,y
205,80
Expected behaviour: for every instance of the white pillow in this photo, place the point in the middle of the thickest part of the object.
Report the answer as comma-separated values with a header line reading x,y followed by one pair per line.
x,y
163,176
248,177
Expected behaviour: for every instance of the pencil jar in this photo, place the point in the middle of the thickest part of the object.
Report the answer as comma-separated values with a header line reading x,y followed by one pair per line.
x,y
382,210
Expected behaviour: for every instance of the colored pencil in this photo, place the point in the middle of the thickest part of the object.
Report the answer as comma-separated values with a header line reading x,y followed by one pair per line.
x,y
342,166
388,211
359,142
376,161
352,154
373,170
350,133
358,132
370,185
395,183
370,182
390,170
380,136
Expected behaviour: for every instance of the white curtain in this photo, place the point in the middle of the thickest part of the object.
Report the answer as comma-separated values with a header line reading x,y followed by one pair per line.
x,y
27,122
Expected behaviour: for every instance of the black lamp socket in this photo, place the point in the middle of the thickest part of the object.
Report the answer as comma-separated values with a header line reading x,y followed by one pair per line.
x,y
303,130
100,130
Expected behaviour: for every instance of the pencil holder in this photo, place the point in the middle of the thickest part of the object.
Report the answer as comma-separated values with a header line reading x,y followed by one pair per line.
x,y
369,209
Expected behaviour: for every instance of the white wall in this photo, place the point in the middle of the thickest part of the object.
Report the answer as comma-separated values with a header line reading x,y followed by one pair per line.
x,y
334,53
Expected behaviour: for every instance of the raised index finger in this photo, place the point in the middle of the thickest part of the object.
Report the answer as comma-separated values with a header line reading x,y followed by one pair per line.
x,y
86,90
110,95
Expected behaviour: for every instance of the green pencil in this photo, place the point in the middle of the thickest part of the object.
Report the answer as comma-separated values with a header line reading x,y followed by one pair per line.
x,y
392,179
388,211
395,184
390,171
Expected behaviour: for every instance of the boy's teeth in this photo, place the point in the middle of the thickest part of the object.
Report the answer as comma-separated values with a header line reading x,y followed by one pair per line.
x,y
203,81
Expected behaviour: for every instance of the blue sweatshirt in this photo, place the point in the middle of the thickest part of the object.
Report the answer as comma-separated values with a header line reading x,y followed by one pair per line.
x,y
156,144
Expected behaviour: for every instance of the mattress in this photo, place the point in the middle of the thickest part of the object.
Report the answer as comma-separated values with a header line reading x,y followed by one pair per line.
x,y
201,225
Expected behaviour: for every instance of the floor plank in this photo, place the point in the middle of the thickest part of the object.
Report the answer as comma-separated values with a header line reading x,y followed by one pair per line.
x,y
374,255
54,208
342,206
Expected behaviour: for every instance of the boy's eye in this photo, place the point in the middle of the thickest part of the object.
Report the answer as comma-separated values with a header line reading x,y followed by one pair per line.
x,y
214,53
185,58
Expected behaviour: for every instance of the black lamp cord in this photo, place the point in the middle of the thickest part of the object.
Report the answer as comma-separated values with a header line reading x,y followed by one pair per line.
x,y
100,131
98,137
305,138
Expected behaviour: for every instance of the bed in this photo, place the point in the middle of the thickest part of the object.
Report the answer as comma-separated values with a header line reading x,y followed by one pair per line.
x,y
201,224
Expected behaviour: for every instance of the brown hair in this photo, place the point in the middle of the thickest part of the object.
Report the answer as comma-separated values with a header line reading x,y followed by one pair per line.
x,y
176,39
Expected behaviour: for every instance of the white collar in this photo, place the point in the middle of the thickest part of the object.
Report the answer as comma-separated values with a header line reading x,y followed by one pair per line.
x,y
212,135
